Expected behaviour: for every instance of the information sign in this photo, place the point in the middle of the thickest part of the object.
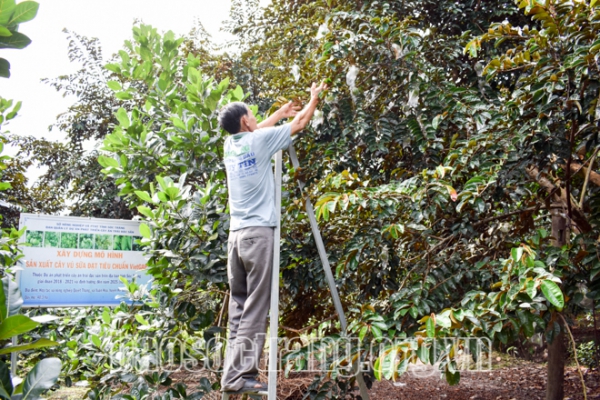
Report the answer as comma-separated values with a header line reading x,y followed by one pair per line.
x,y
74,261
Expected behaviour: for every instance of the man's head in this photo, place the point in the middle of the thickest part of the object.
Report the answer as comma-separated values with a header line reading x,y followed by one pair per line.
x,y
237,117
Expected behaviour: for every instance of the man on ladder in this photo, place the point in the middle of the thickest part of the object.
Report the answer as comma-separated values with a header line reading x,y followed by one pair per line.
x,y
250,181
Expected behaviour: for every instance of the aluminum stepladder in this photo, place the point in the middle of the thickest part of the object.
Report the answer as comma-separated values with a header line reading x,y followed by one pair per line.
x,y
274,312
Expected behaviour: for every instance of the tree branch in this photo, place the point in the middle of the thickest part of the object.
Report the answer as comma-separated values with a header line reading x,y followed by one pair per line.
x,y
510,214
594,176
560,196
587,179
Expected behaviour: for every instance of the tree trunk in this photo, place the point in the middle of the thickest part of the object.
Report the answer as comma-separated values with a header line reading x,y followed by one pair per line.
x,y
557,351
556,367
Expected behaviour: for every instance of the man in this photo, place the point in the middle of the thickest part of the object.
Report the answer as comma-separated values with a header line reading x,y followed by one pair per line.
x,y
247,157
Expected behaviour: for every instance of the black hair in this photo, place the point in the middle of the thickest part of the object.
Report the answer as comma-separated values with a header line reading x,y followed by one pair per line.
x,y
230,115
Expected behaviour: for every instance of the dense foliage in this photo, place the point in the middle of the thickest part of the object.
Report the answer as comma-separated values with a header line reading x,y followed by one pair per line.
x,y
11,15
434,171
13,323
450,135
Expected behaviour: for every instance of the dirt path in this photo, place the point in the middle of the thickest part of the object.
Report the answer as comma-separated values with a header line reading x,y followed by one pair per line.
x,y
518,380
515,379
523,381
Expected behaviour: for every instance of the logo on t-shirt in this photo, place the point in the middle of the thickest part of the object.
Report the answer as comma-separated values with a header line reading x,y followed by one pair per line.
x,y
240,164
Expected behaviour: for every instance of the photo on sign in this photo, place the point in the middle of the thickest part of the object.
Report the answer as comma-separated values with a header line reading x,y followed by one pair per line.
x,y
122,243
51,239
35,238
135,245
68,240
86,241
103,242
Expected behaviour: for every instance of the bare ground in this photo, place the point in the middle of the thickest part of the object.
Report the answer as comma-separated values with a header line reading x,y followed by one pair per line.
x,y
511,379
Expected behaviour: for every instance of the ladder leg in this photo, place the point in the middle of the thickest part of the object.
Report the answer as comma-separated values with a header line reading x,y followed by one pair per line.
x,y
274,315
225,396
364,393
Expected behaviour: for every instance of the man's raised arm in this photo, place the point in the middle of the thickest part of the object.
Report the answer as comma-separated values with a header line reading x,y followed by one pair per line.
x,y
286,111
304,116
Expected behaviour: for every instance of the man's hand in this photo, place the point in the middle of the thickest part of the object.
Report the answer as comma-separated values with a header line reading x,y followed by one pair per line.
x,y
304,116
316,90
289,110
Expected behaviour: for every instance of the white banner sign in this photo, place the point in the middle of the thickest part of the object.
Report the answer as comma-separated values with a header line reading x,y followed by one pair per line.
x,y
73,261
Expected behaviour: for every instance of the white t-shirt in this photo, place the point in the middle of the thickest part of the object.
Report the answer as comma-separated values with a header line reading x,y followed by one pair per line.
x,y
247,158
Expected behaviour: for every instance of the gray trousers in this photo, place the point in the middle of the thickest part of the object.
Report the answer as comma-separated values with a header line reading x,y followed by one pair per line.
x,y
249,265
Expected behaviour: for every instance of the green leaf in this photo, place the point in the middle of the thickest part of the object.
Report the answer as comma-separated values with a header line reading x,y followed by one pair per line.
x,y
124,56
145,231
146,211
223,84
402,366
238,93
5,32
16,41
113,68
211,102
377,368
162,197
146,53
5,185
106,317
123,118
414,312
96,341
161,181
114,85
517,253
141,319
443,319
4,68
16,108
453,378
10,298
459,315
178,123
172,192
389,363
553,294
363,333
423,353
42,377
25,11
6,387
16,325
436,121
377,334
531,289
144,196
108,162
124,96
7,7
430,327
38,344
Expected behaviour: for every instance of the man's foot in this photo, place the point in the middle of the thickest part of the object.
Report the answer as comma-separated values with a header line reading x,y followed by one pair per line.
x,y
250,386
